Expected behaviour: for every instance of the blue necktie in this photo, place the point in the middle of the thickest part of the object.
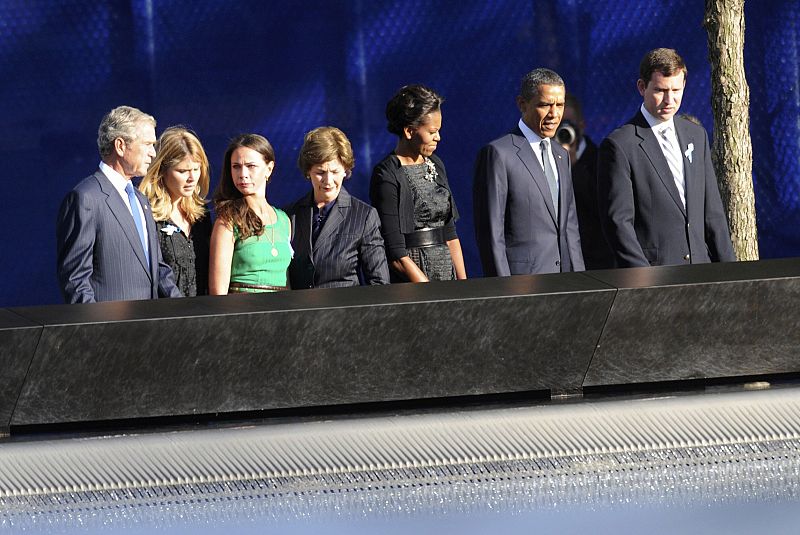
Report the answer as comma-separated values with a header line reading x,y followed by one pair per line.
x,y
137,218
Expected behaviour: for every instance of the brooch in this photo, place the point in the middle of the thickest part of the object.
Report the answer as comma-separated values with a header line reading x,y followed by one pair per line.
x,y
430,170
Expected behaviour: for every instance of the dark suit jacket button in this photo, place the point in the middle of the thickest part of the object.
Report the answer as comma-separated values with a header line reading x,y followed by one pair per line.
x,y
558,262
686,257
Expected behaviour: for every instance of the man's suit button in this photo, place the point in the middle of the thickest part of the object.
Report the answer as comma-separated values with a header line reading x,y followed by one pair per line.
x,y
686,257
558,262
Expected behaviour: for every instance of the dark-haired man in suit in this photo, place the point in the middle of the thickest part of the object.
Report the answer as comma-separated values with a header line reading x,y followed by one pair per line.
x,y
106,236
658,194
524,206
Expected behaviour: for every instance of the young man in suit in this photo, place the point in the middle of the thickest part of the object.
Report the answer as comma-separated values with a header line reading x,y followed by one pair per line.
x,y
524,205
106,236
658,194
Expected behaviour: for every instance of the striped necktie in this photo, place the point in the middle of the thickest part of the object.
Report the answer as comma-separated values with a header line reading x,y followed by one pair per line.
x,y
674,161
549,173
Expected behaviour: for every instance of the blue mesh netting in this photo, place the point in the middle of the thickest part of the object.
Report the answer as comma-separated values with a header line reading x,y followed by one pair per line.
x,y
282,68
772,57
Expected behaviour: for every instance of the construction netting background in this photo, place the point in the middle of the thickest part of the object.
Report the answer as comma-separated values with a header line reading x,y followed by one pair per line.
x,y
283,68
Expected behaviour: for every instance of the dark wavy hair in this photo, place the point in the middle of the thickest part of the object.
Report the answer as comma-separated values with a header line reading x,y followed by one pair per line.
x,y
409,107
229,202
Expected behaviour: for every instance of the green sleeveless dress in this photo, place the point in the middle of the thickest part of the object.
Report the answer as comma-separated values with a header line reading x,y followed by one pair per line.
x,y
262,260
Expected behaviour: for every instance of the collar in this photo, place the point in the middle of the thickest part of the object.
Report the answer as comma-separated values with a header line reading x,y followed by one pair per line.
x,y
325,210
655,124
532,137
117,180
343,199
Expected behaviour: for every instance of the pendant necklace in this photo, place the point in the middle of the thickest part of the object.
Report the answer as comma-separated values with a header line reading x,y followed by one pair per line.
x,y
274,250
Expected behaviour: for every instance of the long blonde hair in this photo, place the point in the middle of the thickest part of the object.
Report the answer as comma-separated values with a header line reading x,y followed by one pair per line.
x,y
175,144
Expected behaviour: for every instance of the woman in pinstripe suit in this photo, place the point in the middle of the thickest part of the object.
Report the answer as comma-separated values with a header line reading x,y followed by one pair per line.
x,y
337,238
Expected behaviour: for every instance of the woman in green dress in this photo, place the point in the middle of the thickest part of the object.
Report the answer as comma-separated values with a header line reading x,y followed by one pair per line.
x,y
250,243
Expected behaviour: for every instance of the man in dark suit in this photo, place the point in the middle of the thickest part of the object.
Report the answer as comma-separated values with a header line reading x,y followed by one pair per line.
x,y
524,206
597,254
106,236
658,194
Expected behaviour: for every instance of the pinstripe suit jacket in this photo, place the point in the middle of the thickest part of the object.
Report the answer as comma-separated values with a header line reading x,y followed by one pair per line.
x,y
100,256
348,246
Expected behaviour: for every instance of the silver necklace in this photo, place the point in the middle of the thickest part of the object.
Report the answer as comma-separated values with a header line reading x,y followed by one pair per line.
x,y
274,250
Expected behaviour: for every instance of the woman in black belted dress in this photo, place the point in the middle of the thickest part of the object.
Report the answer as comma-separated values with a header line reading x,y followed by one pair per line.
x,y
410,191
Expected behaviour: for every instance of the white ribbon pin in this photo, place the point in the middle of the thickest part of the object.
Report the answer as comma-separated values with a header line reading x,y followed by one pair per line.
x,y
169,230
689,151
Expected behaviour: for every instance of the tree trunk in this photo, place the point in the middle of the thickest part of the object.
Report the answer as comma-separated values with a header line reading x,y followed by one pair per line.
x,y
732,151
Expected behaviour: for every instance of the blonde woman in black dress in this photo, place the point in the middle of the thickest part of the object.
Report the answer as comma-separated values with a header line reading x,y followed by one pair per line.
x,y
177,183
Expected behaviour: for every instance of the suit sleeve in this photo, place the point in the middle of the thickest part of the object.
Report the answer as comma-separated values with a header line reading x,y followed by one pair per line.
x,y
573,231
371,252
717,235
75,238
616,204
489,194
385,196
166,279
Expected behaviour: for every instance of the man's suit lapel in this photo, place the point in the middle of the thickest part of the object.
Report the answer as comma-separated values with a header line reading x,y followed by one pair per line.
x,y
152,234
525,154
652,150
562,167
124,218
693,185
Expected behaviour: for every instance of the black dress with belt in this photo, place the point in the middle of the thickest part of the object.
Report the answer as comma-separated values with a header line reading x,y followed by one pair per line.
x,y
431,210
412,198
